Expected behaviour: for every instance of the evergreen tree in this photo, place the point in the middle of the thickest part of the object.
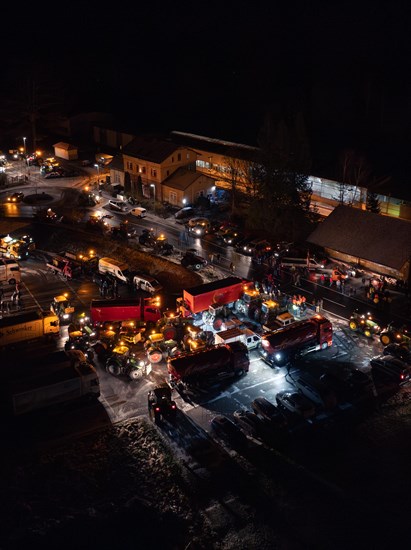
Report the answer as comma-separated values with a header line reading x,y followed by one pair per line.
x,y
373,203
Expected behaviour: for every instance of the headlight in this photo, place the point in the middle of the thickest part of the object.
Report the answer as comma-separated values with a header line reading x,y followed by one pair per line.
x,y
277,356
66,316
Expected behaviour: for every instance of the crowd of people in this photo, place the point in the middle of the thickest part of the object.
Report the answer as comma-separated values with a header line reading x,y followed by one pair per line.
x,y
10,302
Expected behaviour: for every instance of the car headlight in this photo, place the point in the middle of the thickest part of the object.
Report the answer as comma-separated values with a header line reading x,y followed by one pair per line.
x,y
66,316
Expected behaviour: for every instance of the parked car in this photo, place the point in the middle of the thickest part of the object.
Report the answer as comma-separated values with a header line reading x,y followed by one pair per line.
x,y
53,174
184,214
391,367
138,211
227,430
266,410
119,206
349,384
192,260
248,422
399,351
15,197
295,403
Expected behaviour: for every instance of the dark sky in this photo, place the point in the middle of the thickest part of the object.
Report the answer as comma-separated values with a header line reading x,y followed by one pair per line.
x,y
217,68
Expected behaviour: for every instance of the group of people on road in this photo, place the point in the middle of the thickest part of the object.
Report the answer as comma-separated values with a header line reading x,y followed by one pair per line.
x,y
109,288
11,302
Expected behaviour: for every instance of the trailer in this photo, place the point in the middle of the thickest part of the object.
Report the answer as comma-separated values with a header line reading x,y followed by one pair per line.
x,y
211,364
214,301
28,327
54,379
136,309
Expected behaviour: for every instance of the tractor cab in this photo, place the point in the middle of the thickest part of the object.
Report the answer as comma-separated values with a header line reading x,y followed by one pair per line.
x,y
61,306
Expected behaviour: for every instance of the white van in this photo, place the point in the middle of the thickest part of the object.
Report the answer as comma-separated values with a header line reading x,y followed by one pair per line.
x,y
139,212
115,268
9,271
147,283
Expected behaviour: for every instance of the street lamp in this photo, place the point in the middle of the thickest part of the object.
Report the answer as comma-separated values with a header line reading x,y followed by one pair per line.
x,y
154,196
24,146
98,175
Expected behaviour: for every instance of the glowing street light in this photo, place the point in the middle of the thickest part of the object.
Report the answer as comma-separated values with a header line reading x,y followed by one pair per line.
x,y
24,146
154,196
98,173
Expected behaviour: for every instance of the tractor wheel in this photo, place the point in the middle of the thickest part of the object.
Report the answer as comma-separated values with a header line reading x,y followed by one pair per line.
x,y
113,369
196,267
135,374
385,339
154,355
217,323
353,325
169,333
367,332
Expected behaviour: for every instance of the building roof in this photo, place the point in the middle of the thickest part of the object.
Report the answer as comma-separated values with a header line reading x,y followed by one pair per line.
x,y
183,178
117,163
381,239
150,148
218,146
65,146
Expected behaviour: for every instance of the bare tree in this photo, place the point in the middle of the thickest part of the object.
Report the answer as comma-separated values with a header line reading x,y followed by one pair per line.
x,y
355,172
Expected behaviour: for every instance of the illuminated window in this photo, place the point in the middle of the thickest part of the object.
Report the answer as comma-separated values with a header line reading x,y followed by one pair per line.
x,y
153,172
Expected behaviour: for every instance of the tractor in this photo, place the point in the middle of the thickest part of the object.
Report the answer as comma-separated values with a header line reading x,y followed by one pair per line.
x,y
124,363
160,404
364,323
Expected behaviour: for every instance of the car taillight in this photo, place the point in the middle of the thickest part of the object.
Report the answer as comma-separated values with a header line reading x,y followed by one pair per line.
x,y
402,376
157,409
173,406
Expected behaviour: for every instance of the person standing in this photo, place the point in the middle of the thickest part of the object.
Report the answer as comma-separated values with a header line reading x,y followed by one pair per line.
x,y
232,267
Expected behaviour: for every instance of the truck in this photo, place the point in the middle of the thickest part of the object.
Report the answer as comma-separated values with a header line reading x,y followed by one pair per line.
x,y
70,269
9,271
28,327
246,336
54,379
282,345
135,309
211,301
212,364
18,249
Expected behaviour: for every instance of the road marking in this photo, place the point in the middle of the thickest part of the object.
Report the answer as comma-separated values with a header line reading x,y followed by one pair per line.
x,y
28,290
332,301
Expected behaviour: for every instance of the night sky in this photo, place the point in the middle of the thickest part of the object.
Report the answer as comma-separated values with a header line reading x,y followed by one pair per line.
x,y
218,69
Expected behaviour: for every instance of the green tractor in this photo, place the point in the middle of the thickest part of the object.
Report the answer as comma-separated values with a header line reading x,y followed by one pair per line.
x,y
364,323
400,335
124,363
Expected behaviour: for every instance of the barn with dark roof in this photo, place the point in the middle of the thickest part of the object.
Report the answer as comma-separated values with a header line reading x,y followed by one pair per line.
x,y
381,244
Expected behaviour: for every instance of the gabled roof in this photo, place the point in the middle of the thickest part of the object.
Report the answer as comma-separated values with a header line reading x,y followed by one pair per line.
x,y
65,146
183,178
117,163
150,148
381,239
218,146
